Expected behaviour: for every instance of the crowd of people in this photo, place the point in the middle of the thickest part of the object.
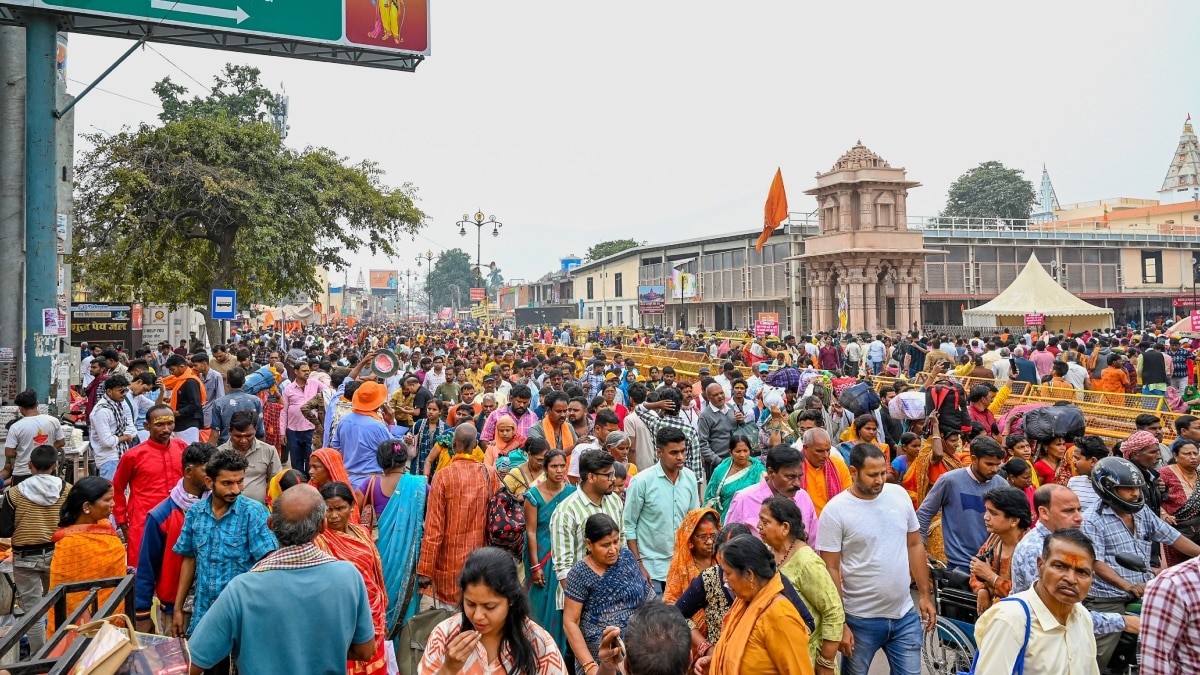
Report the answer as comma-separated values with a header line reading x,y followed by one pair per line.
x,y
567,508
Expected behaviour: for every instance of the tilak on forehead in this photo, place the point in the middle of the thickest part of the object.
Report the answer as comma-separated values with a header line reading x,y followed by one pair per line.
x,y
159,419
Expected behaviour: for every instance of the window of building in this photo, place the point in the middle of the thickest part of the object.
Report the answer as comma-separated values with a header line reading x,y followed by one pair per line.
x,y
618,286
610,316
591,291
591,313
620,315
1152,267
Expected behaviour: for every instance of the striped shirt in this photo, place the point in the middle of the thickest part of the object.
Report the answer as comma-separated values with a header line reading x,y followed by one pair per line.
x,y
458,497
566,529
655,422
1170,627
31,524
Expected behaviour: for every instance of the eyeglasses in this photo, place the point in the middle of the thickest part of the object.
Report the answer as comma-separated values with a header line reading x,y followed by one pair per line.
x,y
706,537
608,475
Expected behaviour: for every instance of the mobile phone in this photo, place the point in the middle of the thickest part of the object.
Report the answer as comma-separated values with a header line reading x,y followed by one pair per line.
x,y
620,650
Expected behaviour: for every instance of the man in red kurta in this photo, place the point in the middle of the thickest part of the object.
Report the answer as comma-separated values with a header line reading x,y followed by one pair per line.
x,y
454,527
148,471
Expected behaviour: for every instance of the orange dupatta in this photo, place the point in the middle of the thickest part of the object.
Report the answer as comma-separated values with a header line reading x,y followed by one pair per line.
x,y
355,546
683,565
84,553
332,459
739,625
564,433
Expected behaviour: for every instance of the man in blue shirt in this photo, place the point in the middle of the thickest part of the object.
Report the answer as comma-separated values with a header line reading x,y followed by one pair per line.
x,y
223,535
658,500
958,496
254,605
223,408
361,430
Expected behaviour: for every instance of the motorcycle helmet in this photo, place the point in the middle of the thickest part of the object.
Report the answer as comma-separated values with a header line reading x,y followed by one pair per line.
x,y
1111,473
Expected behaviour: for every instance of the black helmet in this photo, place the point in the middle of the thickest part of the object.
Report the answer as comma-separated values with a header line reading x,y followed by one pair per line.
x,y
1111,473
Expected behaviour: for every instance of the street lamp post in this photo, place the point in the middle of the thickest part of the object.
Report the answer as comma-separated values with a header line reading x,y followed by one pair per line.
x,y
408,274
428,258
479,221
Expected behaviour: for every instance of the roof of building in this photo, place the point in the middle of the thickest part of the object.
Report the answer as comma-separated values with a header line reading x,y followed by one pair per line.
x,y
859,157
1184,171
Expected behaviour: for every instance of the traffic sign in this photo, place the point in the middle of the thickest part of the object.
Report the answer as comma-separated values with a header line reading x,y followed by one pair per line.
x,y
224,304
330,30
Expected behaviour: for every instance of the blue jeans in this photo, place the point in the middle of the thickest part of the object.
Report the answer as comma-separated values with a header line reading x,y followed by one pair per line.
x,y
299,447
876,367
108,469
900,640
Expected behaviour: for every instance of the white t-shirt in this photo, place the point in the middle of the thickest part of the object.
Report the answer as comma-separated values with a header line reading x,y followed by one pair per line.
x,y
28,433
872,535
573,465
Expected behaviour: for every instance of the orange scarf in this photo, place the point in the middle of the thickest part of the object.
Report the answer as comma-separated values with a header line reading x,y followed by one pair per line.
x,y
83,553
173,384
332,459
564,433
739,626
683,565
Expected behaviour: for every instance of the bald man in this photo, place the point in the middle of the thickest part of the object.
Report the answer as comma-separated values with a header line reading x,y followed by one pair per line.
x,y
253,606
825,473
458,495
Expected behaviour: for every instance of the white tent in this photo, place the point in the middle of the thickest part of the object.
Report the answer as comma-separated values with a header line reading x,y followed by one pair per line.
x,y
1034,291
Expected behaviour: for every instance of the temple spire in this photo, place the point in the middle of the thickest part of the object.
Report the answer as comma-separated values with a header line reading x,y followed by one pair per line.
x,y
1183,176
1047,200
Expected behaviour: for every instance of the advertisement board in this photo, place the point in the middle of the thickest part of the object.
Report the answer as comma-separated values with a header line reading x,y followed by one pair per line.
x,y
108,324
478,294
767,324
652,299
1035,319
391,35
384,282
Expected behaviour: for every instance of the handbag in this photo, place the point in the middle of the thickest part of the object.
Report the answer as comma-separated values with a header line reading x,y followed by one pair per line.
x,y
414,635
160,656
1019,666
109,648
366,511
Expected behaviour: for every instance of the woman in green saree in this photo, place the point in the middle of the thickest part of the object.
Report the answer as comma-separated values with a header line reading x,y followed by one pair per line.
x,y
739,471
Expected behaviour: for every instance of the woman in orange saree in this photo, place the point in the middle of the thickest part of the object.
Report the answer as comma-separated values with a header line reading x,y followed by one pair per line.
x,y
694,543
351,542
86,547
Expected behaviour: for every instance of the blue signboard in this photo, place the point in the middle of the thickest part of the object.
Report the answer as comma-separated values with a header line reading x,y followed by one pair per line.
x,y
223,305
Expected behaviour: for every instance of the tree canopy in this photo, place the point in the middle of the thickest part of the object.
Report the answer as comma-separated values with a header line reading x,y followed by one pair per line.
x,y
451,269
495,279
607,248
991,190
213,199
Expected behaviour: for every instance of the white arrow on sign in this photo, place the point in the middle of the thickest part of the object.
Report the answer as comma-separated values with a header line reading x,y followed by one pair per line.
x,y
238,14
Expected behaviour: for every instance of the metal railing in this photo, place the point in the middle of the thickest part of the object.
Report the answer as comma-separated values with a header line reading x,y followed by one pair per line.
x,y
56,600
1018,228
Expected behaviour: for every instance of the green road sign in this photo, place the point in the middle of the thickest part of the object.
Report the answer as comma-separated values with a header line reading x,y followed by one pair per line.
x,y
382,33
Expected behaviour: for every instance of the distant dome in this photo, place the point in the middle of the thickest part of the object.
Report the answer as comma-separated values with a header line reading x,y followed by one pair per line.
x,y
859,157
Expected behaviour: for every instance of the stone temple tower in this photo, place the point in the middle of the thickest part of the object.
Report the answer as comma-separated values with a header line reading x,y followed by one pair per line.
x,y
864,270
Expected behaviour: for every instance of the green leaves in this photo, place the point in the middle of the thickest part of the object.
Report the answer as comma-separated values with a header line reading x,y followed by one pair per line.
x,y
452,268
607,248
213,199
991,190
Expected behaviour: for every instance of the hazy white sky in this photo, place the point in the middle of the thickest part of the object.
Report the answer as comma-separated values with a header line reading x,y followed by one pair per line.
x,y
579,122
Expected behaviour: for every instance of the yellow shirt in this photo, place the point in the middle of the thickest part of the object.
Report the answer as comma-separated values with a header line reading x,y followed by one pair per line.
x,y
444,457
817,490
1054,649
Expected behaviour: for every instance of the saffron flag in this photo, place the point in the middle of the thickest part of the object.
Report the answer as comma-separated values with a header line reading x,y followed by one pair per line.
x,y
775,211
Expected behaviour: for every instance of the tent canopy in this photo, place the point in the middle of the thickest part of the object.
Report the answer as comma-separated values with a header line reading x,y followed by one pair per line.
x,y
1034,291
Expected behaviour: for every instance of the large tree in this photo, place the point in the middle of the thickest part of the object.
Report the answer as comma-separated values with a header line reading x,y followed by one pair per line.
x,y
607,248
213,199
451,269
494,279
991,190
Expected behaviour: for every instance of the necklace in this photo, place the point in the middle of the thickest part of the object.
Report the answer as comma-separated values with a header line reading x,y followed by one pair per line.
x,y
1191,484
788,553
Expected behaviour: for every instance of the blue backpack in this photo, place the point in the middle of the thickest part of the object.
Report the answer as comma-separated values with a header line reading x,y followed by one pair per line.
x,y
1019,666
259,380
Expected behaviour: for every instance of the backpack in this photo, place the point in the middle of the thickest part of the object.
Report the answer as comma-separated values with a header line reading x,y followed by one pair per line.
x,y
859,399
950,401
506,522
259,381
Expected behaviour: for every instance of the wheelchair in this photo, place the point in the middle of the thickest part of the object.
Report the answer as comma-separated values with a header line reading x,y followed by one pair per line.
x,y
950,647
